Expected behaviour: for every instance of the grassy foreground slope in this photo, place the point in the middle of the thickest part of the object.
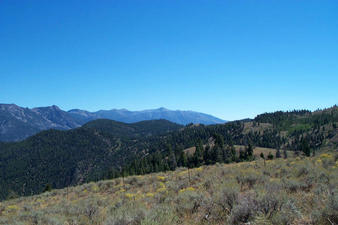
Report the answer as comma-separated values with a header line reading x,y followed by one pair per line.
x,y
283,191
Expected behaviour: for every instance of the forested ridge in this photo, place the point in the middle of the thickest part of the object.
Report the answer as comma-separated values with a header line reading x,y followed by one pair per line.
x,y
105,149
301,131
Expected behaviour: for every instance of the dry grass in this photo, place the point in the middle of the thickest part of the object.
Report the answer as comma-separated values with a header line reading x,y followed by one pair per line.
x,y
265,151
291,191
249,127
257,151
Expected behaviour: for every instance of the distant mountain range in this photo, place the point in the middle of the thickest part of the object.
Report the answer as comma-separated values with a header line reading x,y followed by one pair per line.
x,y
126,116
18,123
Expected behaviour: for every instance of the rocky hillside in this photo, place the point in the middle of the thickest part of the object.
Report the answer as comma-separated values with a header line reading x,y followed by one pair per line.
x,y
17,123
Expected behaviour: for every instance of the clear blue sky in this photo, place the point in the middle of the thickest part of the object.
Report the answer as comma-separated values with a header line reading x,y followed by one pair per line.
x,y
233,59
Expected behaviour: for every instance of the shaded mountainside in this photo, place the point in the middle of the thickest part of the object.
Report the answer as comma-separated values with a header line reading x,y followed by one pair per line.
x,y
101,148
17,123
63,158
133,130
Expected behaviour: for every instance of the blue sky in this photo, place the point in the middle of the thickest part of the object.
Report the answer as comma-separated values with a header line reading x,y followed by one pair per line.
x,y
233,59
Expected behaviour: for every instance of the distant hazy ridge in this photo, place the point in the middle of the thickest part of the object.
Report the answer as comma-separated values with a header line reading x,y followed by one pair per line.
x,y
18,123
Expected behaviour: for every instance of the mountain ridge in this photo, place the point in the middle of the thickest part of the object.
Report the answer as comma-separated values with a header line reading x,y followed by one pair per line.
x,y
123,115
18,123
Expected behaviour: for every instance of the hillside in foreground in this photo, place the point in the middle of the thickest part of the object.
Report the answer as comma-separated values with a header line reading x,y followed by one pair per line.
x,y
283,191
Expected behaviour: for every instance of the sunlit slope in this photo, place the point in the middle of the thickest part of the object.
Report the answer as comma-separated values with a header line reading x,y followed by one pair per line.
x,y
284,191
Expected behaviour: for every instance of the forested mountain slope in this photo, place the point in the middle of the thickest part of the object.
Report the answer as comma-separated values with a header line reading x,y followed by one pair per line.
x,y
63,158
103,148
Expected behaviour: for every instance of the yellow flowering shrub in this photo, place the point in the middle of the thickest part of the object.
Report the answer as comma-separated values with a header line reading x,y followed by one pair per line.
x,y
130,195
336,165
199,169
318,161
94,188
161,178
325,155
12,207
121,190
183,173
187,189
150,194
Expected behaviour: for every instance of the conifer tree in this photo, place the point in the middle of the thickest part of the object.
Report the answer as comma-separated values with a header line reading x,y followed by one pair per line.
x,y
278,155
262,155
305,147
172,159
198,155
285,154
249,152
270,156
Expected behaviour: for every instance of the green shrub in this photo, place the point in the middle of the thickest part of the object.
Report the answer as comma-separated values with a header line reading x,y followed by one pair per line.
x,y
126,214
228,198
269,204
294,185
288,213
244,211
302,171
188,202
161,215
248,180
331,210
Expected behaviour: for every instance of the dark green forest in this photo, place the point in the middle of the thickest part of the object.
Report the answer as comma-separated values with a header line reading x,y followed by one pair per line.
x,y
105,149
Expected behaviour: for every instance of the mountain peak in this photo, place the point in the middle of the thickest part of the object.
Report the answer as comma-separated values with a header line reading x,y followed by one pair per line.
x,y
5,106
162,109
52,107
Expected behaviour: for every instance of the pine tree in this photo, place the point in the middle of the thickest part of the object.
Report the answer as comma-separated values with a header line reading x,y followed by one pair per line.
x,y
172,159
305,147
278,155
242,155
262,155
285,154
226,155
219,141
198,156
233,153
183,160
249,152
270,156
47,188
216,154
207,155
